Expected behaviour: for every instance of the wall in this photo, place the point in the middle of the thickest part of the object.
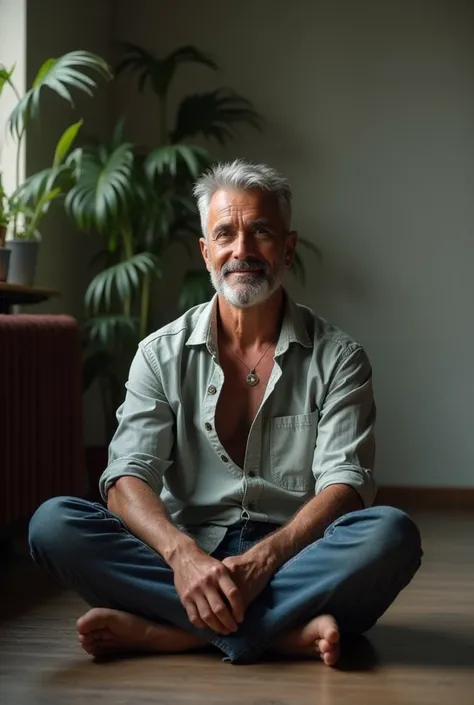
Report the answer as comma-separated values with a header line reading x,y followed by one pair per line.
x,y
13,53
369,110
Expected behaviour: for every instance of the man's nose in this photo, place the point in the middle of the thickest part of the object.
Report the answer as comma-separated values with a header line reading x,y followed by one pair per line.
x,y
243,246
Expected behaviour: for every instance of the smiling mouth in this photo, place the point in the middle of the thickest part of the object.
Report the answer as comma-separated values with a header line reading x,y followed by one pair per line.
x,y
246,271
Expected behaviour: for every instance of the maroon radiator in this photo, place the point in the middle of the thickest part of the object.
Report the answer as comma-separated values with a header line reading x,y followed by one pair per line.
x,y
41,426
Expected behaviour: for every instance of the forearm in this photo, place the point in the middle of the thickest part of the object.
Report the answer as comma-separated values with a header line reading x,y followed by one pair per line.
x,y
145,515
306,526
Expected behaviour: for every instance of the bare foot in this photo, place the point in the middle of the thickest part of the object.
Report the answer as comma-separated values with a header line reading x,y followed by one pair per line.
x,y
317,639
103,631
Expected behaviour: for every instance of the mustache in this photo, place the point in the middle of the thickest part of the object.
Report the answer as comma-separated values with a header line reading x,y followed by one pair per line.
x,y
248,265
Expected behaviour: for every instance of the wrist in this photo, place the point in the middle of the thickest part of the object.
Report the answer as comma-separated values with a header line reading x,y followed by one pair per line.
x,y
179,547
265,556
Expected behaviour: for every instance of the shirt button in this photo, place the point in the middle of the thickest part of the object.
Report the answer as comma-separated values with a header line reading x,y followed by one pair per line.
x,y
212,389
208,426
224,458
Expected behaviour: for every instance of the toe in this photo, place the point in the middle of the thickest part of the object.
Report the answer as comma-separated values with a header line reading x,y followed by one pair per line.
x,y
324,646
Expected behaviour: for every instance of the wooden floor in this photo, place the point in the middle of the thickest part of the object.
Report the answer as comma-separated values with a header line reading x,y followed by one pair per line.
x,y
421,652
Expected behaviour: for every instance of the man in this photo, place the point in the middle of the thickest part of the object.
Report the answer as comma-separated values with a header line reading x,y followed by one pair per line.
x,y
239,487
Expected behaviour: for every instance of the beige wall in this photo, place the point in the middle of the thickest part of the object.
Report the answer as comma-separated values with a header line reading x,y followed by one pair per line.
x,y
12,53
369,107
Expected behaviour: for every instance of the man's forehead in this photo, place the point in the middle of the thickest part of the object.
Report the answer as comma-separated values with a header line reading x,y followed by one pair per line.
x,y
254,203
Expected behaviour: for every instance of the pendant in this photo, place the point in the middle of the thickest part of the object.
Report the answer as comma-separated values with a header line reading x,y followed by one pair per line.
x,y
252,378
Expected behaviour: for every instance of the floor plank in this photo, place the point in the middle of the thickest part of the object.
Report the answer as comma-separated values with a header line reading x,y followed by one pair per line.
x,y
421,651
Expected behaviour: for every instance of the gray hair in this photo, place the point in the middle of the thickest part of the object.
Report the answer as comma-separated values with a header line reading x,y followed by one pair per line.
x,y
242,175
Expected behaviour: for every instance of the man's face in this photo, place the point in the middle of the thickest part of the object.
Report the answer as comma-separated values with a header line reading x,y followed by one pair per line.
x,y
247,246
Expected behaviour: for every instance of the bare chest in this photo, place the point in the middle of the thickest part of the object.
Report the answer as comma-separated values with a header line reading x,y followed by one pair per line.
x,y
238,405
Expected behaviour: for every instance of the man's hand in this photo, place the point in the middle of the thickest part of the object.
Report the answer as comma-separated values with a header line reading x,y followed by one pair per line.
x,y
250,573
208,592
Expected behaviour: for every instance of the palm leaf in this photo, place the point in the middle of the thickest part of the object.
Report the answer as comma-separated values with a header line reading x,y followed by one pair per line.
x,y
298,267
59,75
107,331
311,246
122,278
65,142
167,158
103,189
39,185
5,76
159,72
193,55
214,115
196,288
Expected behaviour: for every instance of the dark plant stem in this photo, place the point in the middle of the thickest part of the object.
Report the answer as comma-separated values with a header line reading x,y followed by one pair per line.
x,y
145,306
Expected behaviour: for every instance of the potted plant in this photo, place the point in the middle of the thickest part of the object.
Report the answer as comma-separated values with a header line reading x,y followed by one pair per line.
x,y
32,198
4,219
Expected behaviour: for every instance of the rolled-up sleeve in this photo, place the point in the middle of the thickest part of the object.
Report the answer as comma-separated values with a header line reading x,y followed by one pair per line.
x,y
143,442
345,447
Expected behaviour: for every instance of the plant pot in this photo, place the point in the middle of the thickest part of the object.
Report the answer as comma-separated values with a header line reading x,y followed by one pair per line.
x,y
4,263
23,259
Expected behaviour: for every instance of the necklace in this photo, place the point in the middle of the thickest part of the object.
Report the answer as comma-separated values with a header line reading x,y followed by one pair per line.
x,y
252,378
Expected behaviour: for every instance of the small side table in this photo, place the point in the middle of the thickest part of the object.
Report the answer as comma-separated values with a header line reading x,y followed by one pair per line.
x,y
17,294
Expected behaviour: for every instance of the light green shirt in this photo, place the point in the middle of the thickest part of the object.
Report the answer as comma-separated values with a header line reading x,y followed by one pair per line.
x,y
314,427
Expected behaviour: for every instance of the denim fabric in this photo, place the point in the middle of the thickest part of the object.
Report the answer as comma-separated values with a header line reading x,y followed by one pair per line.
x,y
354,572
314,428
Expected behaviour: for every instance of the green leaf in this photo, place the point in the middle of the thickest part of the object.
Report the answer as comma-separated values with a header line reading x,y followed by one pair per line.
x,y
109,331
58,75
65,142
104,188
196,288
166,159
122,278
160,72
311,246
5,76
214,115
298,268
41,185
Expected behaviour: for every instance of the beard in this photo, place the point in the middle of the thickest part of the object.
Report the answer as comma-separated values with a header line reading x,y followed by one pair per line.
x,y
249,289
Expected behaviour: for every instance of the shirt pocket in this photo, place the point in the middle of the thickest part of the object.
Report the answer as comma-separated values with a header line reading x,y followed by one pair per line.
x,y
292,445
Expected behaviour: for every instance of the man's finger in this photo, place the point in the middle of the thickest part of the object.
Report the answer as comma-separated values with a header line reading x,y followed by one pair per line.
x,y
221,610
234,597
207,615
193,615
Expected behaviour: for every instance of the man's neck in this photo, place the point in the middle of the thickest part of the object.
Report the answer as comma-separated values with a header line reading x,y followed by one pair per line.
x,y
250,328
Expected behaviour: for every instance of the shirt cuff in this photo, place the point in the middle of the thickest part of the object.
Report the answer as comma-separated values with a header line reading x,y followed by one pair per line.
x,y
359,478
129,467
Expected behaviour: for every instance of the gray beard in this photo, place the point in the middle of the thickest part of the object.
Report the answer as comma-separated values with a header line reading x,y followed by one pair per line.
x,y
251,290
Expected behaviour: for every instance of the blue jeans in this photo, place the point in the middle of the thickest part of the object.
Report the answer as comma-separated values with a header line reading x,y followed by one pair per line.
x,y
354,572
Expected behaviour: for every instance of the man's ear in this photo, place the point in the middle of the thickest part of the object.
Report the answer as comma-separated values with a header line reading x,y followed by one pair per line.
x,y
205,252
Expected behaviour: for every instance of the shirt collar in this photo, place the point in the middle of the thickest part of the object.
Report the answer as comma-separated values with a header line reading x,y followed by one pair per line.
x,y
293,329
